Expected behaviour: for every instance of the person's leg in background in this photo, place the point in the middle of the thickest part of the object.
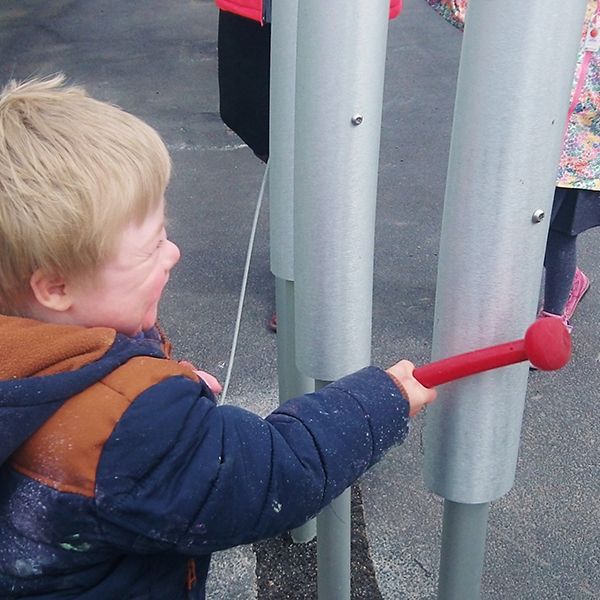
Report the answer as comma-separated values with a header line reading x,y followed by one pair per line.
x,y
565,284
560,262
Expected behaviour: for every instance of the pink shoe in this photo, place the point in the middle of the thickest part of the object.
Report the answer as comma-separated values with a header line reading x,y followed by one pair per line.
x,y
546,315
581,284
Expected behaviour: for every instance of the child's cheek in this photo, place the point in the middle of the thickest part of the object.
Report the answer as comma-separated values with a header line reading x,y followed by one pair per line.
x,y
155,294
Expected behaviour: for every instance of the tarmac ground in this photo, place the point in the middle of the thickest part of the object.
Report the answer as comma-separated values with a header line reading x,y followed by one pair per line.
x,y
159,61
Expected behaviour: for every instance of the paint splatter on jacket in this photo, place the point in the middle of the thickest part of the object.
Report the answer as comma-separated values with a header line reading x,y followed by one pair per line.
x,y
119,475
255,9
580,159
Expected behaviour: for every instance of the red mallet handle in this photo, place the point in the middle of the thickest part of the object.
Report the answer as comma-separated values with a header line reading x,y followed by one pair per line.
x,y
547,345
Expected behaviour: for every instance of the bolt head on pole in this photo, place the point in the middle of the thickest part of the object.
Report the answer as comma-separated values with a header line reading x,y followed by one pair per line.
x,y
538,216
357,119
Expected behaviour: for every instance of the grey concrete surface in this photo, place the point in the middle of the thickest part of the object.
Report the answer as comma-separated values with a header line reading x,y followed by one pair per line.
x,y
158,60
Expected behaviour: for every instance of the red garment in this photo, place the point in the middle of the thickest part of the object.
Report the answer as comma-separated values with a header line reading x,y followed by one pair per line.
x,y
253,9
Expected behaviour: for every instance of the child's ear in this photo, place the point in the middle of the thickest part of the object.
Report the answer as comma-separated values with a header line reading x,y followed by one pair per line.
x,y
50,291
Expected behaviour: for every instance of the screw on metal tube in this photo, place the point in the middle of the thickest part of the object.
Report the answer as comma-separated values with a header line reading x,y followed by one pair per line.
x,y
538,216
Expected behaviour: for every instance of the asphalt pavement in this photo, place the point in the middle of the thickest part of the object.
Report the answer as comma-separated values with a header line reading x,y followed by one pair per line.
x,y
159,60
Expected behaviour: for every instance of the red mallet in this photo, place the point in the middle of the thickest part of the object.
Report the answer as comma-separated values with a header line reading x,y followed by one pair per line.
x,y
547,345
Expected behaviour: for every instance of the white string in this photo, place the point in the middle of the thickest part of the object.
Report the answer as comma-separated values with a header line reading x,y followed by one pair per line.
x,y
244,283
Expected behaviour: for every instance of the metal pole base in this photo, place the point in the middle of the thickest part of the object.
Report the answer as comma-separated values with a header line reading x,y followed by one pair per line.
x,y
333,544
463,550
333,549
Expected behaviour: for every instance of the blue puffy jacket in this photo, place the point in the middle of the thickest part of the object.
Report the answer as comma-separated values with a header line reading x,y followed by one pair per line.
x,y
120,475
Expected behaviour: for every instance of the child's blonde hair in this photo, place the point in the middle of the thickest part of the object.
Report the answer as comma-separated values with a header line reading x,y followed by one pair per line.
x,y
73,172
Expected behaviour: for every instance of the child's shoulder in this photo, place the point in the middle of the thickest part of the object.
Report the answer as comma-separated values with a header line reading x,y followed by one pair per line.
x,y
93,375
65,451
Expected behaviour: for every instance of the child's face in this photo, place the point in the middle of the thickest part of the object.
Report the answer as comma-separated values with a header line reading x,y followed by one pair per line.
x,y
125,292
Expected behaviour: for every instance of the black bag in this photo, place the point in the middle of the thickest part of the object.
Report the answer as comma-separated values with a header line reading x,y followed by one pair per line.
x,y
244,48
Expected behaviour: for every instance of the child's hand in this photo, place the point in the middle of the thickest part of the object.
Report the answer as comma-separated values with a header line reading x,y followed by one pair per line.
x,y
416,394
210,380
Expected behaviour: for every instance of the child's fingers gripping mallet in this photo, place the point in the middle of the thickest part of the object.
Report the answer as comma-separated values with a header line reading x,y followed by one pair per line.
x,y
415,392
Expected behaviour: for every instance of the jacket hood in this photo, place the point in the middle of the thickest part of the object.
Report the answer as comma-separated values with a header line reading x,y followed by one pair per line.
x,y
42,365
31,348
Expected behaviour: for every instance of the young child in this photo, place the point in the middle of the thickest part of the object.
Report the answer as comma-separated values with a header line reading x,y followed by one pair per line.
x,y
119,474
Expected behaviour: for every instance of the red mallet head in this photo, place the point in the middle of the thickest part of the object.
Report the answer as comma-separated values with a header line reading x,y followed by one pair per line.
x,y
548,344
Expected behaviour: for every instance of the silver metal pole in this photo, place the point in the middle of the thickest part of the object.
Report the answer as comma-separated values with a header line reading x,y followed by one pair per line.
x,y
333,549
340,67
282,94
281,193
463,549
511,106
292,383
340,71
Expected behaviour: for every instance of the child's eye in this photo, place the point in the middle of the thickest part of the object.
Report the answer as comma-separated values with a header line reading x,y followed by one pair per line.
x,y
162,239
